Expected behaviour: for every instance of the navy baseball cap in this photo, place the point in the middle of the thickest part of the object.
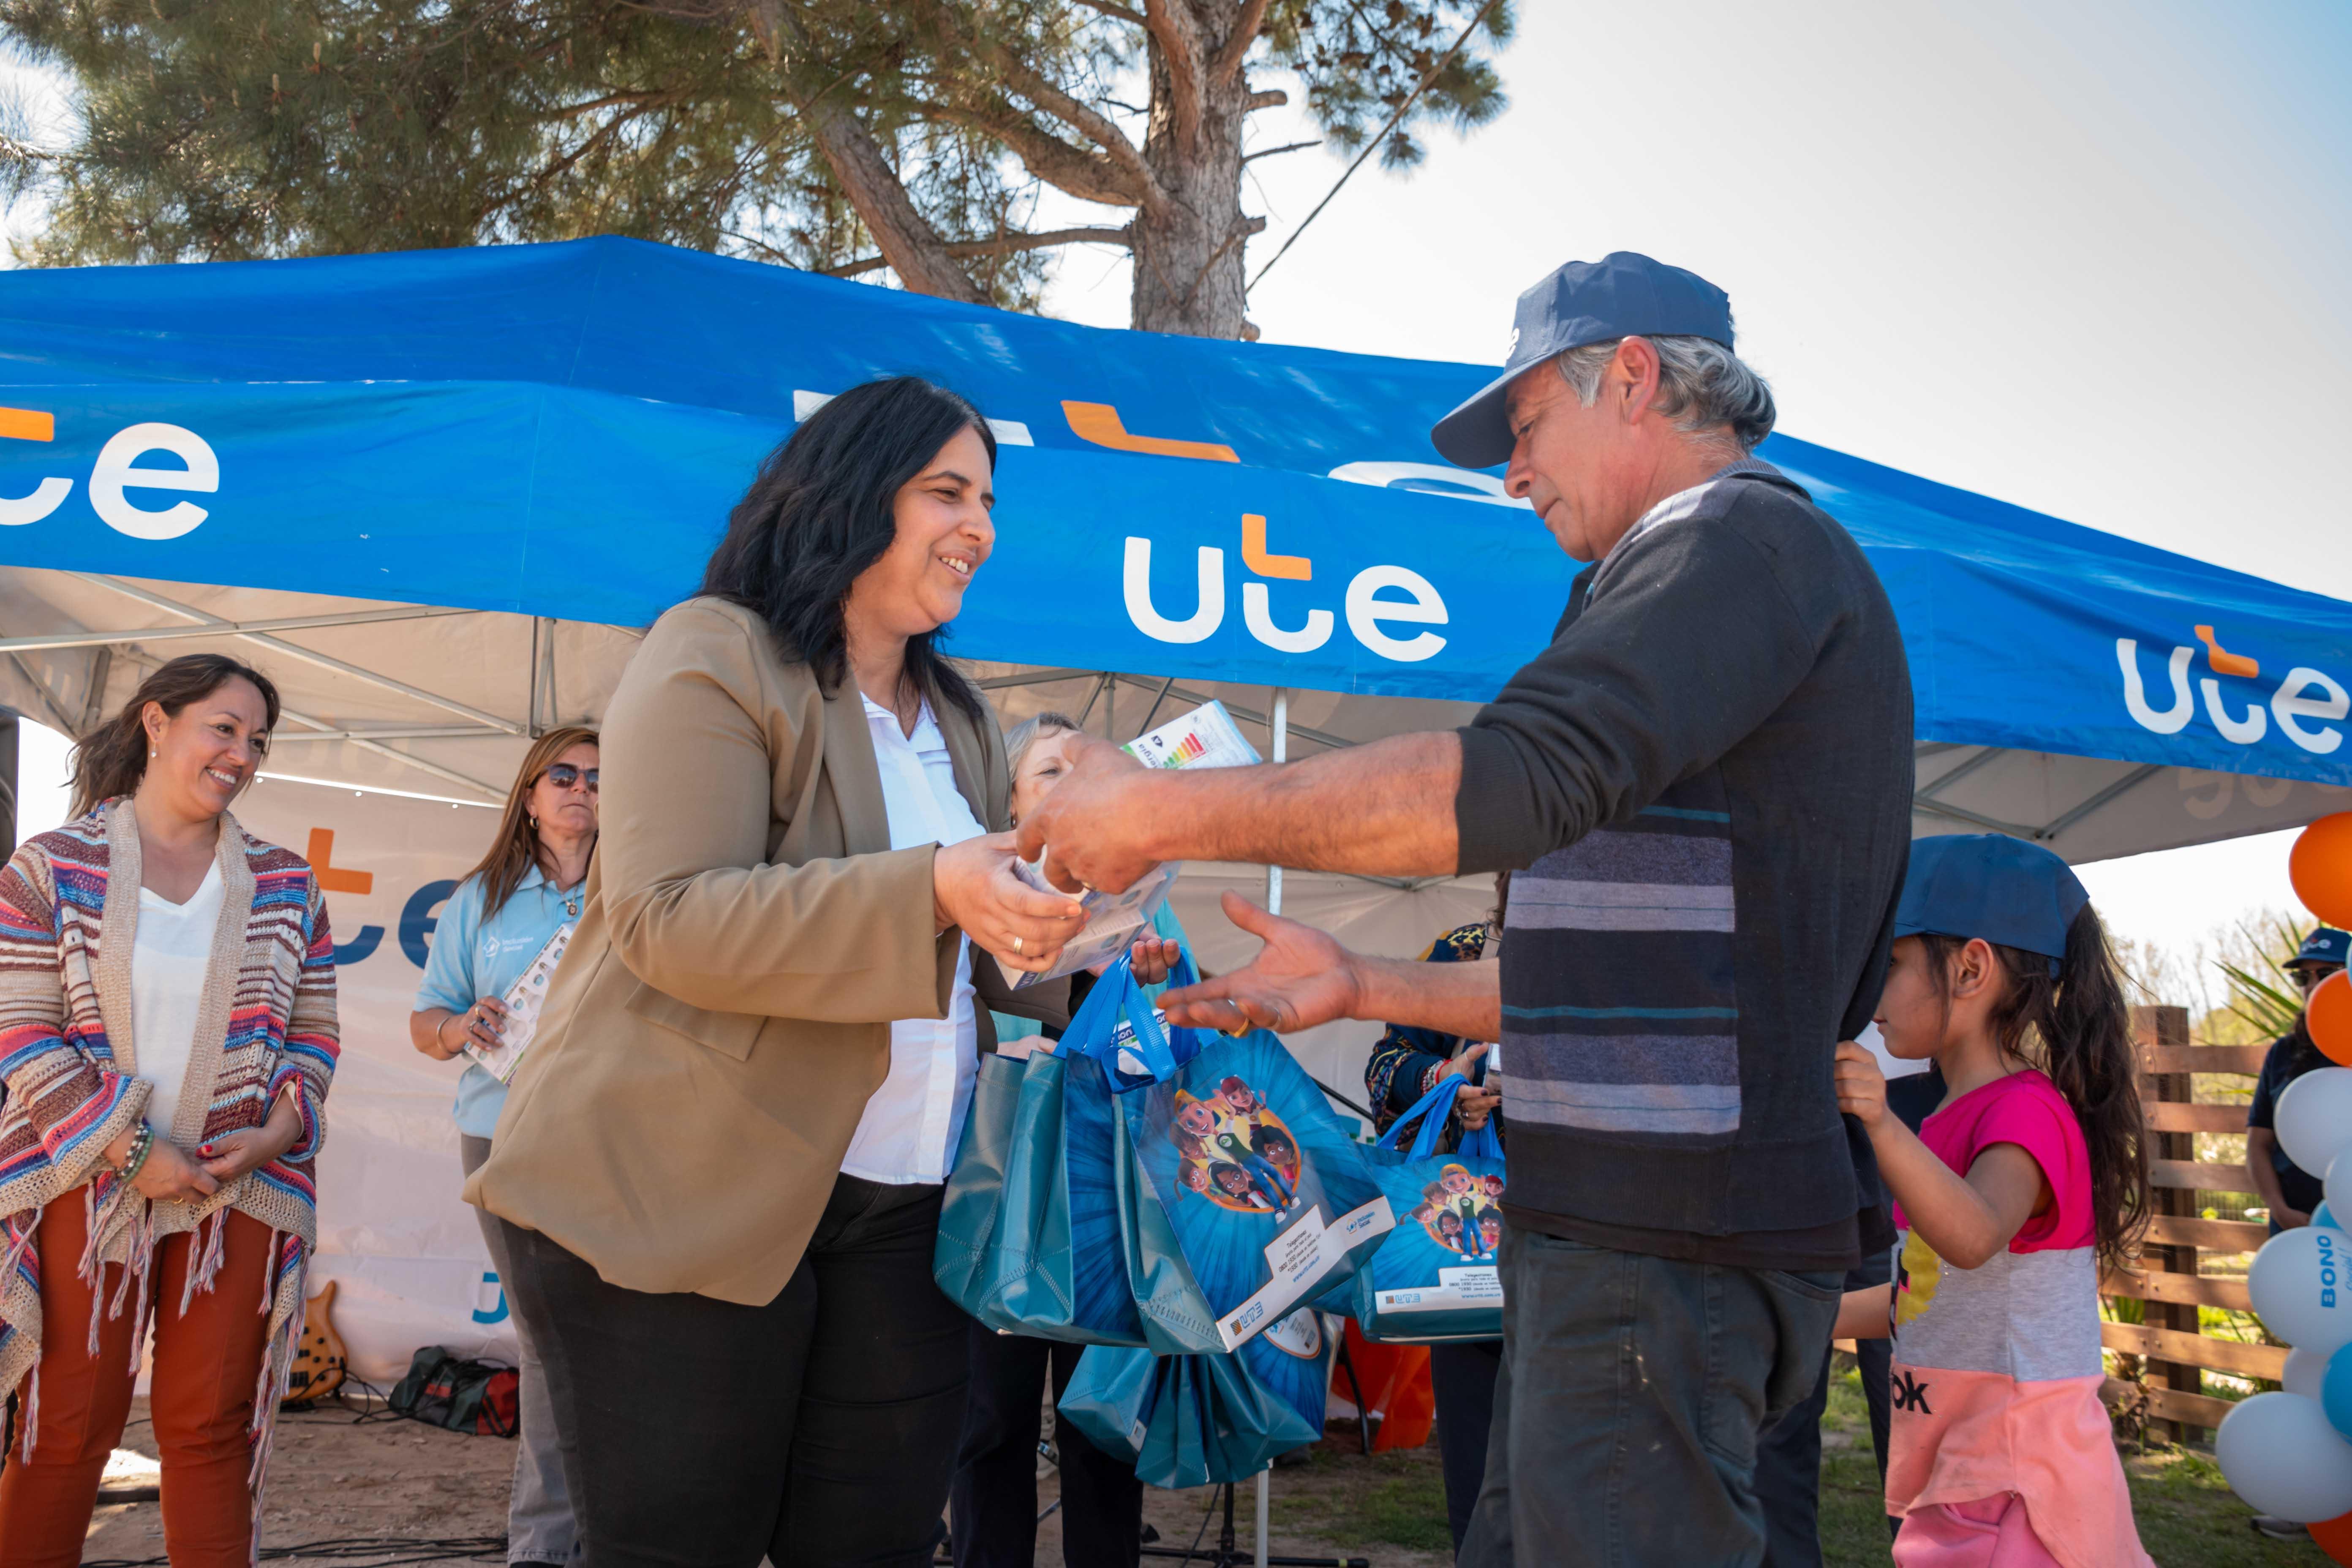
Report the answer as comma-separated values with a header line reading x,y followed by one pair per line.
x,y
2326,944
1624,294
2004,890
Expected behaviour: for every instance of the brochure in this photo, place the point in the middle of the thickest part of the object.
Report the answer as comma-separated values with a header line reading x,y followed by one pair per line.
x,y
1205,738
524,1000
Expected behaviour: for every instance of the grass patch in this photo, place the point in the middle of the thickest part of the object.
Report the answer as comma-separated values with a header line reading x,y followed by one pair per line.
x,y
1389,1499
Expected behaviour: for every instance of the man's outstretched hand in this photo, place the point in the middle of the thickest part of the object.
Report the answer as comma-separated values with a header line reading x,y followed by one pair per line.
x,y
1093,822
1299,979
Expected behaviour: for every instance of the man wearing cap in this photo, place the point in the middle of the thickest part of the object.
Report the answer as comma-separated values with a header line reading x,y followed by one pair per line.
x,y
2291,1191
1702,789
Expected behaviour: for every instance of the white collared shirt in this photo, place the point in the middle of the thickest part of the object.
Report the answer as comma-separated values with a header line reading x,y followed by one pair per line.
x,y
913,1122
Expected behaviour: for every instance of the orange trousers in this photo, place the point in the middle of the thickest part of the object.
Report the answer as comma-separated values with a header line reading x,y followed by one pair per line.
x,y
201,1397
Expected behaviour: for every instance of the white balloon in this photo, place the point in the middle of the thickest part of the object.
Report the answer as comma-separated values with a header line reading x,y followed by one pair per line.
x,y
2314,1117
2283,1457
2339,1180
2301,1282
2305,1370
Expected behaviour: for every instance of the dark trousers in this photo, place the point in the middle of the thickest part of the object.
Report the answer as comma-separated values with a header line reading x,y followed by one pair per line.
x,y
1633,1394
993,1504
1463,1378
816,1430
1788,1460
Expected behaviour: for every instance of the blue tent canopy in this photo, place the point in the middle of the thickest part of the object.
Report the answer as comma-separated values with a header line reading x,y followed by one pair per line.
x,y
559,431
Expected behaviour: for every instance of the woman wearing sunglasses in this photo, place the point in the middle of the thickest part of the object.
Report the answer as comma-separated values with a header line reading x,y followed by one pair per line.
x,y
502,915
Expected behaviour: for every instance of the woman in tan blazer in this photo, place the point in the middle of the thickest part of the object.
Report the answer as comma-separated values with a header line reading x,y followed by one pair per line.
x,y
719,1166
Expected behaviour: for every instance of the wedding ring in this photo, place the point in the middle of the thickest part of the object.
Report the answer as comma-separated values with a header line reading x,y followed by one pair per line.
x,y
1016,944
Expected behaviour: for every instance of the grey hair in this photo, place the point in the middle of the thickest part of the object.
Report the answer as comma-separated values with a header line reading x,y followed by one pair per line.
x,y
1702,385
1027,733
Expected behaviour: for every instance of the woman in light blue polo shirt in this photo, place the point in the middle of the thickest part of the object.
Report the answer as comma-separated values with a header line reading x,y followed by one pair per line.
x,y
528,888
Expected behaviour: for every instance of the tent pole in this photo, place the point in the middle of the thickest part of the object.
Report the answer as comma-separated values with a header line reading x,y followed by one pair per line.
x,y
1281,727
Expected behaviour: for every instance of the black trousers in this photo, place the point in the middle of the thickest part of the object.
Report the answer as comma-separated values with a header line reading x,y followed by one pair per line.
x,y
1789,1455
1463,1378
818,1429
993,1504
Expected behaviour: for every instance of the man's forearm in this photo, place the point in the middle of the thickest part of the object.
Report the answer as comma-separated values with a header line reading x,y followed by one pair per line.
x,y
2259,1168
1462,999
1385,809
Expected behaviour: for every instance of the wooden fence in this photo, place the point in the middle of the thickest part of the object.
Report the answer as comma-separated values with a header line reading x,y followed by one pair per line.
x,y
2168,1280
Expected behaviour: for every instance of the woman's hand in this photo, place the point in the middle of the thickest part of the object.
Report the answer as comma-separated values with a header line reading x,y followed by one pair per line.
x,y
483,1024
232,1154
1861,1085
1472,1103
169,1176
1151,958
974,887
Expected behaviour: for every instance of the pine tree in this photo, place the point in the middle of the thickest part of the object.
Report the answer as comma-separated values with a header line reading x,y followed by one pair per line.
x,y
845,136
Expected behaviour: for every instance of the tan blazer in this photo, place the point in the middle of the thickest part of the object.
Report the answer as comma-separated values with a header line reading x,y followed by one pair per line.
x,y
723,1012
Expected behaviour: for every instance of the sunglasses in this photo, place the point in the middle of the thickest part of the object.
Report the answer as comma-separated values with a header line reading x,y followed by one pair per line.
x,y
563,776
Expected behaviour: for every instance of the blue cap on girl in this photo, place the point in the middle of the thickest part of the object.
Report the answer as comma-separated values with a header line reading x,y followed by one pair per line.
x,y
2006,890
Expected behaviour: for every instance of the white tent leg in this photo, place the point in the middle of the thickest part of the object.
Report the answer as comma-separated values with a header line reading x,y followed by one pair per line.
x,y
1274,906
1281,727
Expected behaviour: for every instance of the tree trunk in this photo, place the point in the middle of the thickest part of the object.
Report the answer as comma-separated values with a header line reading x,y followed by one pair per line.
x,y
1188,246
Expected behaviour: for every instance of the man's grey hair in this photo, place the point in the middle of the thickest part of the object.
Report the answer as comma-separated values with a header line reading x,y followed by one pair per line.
x,y
1702,385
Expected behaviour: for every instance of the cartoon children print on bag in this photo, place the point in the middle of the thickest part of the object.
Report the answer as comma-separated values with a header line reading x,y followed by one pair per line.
x,y
1236,1152
1462,1213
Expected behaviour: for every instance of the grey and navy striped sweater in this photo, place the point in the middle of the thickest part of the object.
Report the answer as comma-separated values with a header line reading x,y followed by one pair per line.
x,y
1703,787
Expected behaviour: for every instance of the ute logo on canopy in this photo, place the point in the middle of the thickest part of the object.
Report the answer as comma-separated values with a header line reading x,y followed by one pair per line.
x,y
1368,613
116,471
2304,695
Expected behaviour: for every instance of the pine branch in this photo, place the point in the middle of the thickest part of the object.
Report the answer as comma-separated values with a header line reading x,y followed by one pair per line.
x,y
1246,28
1182,46
1089,176
1001,245
1286,147
1109,8
912,248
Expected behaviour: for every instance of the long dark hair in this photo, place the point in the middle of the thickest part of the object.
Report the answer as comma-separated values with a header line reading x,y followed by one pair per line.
x,y
820,513
2076,1026
516,849
113,758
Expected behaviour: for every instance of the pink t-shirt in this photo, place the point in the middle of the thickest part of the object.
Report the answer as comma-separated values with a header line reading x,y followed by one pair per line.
x,y
2024,1108
1997,1369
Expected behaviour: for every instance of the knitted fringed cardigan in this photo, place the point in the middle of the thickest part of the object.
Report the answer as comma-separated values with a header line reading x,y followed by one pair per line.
x,y
265,1025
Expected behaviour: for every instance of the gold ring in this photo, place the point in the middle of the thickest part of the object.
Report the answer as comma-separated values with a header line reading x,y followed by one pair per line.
x,y
1016,944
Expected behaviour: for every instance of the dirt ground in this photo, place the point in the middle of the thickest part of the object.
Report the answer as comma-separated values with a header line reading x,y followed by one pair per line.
x,y
335,1479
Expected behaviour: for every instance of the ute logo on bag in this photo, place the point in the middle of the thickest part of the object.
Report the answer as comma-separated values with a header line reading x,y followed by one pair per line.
x,y
2303,695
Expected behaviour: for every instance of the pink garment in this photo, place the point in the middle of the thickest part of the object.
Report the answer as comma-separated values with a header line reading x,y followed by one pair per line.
x,y
2027,1109
1997,1369
1991,1532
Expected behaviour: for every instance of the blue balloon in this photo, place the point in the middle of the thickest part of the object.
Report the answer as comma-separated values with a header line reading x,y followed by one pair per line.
x,y
2335,1391
2325,1215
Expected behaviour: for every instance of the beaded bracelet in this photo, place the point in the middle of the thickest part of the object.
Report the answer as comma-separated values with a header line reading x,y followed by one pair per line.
x,y
142,1143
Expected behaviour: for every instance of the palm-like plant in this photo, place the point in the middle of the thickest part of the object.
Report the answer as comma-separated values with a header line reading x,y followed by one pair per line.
x,y
2261,993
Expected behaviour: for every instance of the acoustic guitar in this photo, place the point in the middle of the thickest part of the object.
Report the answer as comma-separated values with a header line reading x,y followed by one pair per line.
x,y
320,1362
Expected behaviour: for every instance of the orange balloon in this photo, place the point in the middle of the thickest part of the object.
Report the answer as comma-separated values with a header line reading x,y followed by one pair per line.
x,y
2334,1536
2329,1017
2320,867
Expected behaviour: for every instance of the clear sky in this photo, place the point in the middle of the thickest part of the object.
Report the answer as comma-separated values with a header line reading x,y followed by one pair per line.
x,y
2086,259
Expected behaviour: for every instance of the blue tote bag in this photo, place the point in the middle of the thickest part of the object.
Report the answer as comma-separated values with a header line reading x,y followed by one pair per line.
x,y
968,1208
1196,1420
1243,1195
1051,1267
1435,1276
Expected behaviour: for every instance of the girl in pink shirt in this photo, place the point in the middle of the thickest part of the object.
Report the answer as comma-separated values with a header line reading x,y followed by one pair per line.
x,y
2029,1179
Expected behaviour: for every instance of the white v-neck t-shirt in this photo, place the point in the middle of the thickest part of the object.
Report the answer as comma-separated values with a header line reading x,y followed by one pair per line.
x,y
914,1121
170,957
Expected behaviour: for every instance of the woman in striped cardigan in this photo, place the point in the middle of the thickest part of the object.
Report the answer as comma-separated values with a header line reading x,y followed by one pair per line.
x,y
167,1035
